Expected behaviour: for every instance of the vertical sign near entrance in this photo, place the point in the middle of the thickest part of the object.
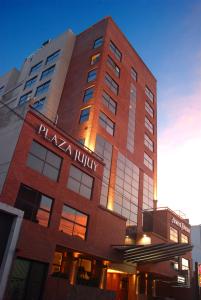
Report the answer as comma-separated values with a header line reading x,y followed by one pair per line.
x,y
199,275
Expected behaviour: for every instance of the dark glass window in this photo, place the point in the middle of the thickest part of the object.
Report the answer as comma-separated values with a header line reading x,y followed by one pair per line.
x,y
42,88
36,206
47,73
30,82
44,161
109,102
39,104
80,182
35,68
73,222
113,66
92,75
98,42
84,116
133,74
53,57
88,94
115,51
25,98
106,123
111,84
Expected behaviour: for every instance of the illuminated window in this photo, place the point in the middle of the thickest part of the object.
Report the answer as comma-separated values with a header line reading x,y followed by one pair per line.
x,y
53,57
149,94
88,94
73,222
109,102
115,51
184,264
44,161
95,58
36,206
84,116
42,88
47,73
149,109
92,75
35,68
149,125
113,66
80,182
111,84
148,143
184,238
174,235
148,161
133,74
98,42
30,82
106,123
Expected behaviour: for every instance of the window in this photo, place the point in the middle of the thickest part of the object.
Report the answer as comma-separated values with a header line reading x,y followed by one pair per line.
x,y
133,74
116,51
42,88
30,82
149,125
73,222
109,102
39,104
149,109
84,116
80,182
98,42
53,57
36,206
111,84
88,94
35,68
92,75
149,94
184,238
1,89
25,98
131,119
148,143
47,73
148,192
184,264
106,123
174,235
95,58
148,161
44,161
113,66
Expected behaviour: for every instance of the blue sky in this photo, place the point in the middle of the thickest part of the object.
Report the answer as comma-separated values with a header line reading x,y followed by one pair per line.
x,y
167,35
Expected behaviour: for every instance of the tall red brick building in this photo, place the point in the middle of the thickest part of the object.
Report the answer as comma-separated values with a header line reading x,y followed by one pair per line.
x,y
87,184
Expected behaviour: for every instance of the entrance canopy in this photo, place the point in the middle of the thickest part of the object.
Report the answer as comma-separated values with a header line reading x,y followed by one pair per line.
x,y
152,253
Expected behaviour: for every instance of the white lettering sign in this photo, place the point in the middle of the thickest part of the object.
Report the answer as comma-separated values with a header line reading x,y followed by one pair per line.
x,y
66,147
181,225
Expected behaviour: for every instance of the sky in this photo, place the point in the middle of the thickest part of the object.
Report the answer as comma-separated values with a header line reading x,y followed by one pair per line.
x,y
167,36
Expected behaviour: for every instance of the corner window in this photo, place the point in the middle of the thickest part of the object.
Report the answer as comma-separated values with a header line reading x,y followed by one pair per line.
x,y
149,94
174,235
88,94
36,206
42,89
106,123
92,75
115,51
84,116
53,57
133,74
149,125
113,86
98,42
47,73
148,143
44,161
80,182
35,68
95,58
73,222
149,109
30,82
148,161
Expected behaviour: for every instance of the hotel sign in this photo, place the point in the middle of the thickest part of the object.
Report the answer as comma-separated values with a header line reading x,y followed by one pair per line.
x,y
73,152
180,224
